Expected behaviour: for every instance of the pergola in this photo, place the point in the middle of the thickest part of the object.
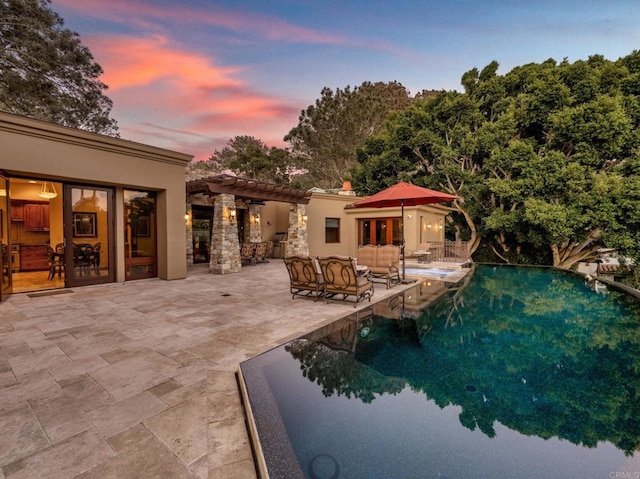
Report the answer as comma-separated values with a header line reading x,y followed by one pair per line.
x,y
227,189
249,189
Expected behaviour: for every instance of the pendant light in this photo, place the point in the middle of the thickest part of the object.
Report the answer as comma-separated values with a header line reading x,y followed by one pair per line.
x,y
48,191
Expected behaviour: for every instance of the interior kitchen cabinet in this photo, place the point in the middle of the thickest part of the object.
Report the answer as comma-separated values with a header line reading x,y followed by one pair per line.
x,y
33,257
17,210
34,214
36,217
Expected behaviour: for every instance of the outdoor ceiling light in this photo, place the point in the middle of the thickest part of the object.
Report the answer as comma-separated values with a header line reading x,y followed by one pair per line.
x,y
48,191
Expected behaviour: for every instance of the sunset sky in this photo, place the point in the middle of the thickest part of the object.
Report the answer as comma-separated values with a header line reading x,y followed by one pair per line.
x,y
189,75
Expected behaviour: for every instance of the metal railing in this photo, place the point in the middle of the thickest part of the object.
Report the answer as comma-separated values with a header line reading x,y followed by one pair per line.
x,y
454,251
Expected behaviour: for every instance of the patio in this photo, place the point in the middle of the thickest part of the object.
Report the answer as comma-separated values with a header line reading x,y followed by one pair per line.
x,y
137,379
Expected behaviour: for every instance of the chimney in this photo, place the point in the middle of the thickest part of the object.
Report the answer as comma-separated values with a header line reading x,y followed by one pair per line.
x,y
347,189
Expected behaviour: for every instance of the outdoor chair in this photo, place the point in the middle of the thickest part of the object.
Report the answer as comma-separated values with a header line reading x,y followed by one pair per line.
x,y
247,253
341,279
260,253
383,262
305,276
423,253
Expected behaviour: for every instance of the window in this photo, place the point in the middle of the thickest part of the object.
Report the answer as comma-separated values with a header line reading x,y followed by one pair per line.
x,y
332,230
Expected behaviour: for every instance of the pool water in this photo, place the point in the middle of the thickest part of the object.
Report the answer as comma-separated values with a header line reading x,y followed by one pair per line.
x,y
517,372
440,273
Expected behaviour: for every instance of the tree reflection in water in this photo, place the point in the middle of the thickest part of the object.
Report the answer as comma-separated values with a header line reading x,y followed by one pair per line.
x,y
531,348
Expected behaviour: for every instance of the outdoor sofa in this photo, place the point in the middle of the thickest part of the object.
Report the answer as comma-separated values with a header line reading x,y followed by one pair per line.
x,y
383,262
336,278
343,281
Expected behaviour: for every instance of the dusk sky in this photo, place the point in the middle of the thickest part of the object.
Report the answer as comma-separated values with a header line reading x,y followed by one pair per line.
x,y
190,75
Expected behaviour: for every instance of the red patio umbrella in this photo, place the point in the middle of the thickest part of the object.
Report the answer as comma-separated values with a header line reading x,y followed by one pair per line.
x,y
403,194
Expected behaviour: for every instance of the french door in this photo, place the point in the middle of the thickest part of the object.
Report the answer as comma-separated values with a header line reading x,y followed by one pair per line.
x,y
380,231
88,247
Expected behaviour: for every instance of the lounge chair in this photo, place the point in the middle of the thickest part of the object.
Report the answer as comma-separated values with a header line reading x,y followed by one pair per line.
x,y
383,262
423,253
305,276
341,278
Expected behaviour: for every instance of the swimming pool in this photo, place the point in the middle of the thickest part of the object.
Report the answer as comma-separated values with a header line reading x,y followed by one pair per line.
x,y
518,372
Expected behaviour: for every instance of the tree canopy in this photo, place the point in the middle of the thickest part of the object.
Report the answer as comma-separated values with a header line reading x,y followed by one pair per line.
x,y
248,157
45,71
328,133
544,159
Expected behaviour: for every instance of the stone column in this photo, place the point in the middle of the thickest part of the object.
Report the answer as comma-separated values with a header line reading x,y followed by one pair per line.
x,y
297,242
225,247
255,227
189,234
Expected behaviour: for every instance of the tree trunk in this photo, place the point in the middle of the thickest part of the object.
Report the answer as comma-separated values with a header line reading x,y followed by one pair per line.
x,y
567,254
474,239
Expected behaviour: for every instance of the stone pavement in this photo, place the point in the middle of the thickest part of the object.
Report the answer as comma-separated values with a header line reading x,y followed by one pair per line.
x,y
137,379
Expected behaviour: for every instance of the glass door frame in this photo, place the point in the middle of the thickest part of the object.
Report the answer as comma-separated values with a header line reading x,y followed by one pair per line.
x,y
107,249
5,225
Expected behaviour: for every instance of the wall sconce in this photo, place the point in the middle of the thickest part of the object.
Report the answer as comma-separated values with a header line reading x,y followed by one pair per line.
x,y
232,215
440,225
48,191
186,218
304,219
429,225
256,219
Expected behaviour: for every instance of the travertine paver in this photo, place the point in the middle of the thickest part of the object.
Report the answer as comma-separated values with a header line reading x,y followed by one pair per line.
x,y
138,379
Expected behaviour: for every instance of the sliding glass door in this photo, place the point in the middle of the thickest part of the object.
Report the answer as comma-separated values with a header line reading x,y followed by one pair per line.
x,y
87,249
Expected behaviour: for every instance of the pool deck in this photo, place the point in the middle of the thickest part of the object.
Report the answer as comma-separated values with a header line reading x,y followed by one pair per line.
x,y
137,379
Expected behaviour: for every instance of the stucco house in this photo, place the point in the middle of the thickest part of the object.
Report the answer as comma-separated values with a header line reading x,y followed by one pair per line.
x,y
63,188
79,208
225,211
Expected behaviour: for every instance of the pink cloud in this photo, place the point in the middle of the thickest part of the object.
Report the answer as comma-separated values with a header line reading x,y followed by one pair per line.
x,y
137,12
176,98
133,61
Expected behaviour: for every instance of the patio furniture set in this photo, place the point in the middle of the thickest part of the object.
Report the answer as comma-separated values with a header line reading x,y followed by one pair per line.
x,y
86,259
254,253
339,278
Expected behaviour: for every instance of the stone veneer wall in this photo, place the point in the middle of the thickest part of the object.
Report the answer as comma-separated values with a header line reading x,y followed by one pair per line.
x,y
297,242
255,229
189,238
225,248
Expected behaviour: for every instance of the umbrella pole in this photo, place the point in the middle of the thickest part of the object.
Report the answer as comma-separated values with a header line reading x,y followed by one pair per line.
x,y
402,216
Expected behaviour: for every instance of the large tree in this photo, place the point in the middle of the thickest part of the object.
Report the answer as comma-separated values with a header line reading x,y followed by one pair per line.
x,y
328,133
543,158
247,157
45,71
